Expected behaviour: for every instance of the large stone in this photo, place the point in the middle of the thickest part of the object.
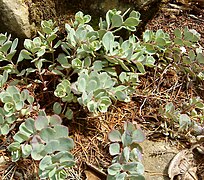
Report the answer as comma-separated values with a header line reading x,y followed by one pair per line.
x,y
14,18
156,159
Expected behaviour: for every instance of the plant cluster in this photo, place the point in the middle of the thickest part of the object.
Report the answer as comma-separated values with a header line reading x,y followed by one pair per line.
x,y
45,139
7,52
183,52
16,106
126,150
189,118
95,68
93,55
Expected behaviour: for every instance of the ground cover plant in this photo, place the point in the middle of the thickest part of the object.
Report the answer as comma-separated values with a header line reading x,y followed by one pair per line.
x,y
93,68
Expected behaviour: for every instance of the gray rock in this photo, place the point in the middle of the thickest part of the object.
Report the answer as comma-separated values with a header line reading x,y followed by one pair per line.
x,y
156,159
14,18
23,20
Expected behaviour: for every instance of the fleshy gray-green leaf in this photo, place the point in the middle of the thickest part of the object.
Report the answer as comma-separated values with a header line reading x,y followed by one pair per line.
x,y
108,41
69,113
55,120
114,136
114,169
126,139
45,162
81,84
61,131
52,146
126,153
131,21
26,150
20,137
4,129
200,58
138,136
116,20
114,149
65,144
57,108
41,122
36,152
47,134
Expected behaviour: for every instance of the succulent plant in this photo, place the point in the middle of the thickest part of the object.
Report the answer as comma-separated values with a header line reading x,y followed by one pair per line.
x,y
126,150
47,140
95,88
3,78
63,90
7,52
186,120
16,103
